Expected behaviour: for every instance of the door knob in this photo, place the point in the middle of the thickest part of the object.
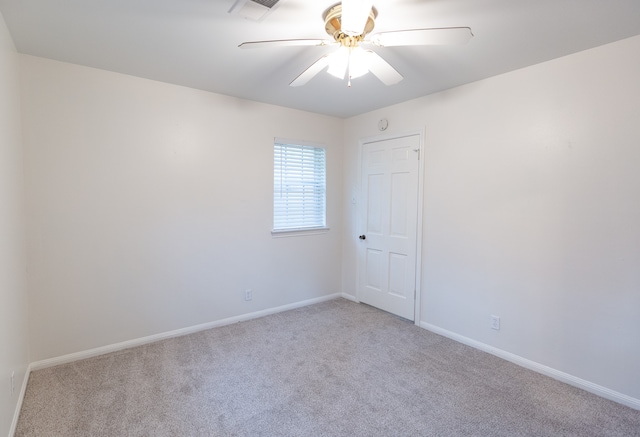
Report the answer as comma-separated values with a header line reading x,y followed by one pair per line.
x,y
362,237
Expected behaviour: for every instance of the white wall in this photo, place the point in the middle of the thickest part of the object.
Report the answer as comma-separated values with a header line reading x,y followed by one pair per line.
x,y
150,207
531,211
13,316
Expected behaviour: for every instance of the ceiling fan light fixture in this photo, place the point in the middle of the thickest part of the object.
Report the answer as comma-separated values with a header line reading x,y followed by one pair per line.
x,y
352,61
348,23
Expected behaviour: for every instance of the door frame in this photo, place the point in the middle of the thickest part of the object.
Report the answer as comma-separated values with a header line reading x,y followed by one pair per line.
x,y
383,137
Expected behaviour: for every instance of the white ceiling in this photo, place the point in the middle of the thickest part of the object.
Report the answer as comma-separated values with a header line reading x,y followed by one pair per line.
x,y
194,43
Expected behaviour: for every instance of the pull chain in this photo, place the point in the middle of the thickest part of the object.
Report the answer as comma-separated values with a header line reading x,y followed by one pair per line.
x,y
349,68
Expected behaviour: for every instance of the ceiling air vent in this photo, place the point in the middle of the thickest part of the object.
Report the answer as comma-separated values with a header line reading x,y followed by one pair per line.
x,y
254,10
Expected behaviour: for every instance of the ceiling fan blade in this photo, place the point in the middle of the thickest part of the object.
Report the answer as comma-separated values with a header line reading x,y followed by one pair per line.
x,y
310,72
286,43
419,37
382,69
354,16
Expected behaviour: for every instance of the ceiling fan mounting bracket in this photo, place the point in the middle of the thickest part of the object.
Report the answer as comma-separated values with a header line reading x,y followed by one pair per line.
x,y
333,26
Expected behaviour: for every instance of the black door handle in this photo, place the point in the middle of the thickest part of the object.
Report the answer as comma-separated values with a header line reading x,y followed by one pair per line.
x,y
362,237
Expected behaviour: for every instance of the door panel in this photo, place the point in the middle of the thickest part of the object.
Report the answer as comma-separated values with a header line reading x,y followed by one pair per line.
x,y
374,203
399,192
397,274
374,264
387,257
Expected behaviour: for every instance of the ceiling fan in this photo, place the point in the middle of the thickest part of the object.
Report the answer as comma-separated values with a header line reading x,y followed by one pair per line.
x,y
350,23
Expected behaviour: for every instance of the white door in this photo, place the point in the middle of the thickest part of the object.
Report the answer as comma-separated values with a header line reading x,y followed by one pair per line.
x,y
389,219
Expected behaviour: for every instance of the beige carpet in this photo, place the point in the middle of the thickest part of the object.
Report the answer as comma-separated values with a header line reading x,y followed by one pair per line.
x,y
332,369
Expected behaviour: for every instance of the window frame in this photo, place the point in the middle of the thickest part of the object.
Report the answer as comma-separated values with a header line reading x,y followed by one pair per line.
x,y
301,230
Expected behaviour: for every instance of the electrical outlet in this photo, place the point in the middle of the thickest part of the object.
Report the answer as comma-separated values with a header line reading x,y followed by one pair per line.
x,y
13,385
495,323
248,295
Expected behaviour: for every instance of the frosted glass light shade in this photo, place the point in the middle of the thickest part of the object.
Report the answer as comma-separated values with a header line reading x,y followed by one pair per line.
x,y
356,61
359,62
338,62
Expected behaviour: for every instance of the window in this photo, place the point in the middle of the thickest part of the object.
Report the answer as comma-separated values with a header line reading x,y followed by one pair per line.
x,y
299,187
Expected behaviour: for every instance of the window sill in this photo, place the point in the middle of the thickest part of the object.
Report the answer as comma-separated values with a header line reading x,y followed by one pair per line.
x,y
298,232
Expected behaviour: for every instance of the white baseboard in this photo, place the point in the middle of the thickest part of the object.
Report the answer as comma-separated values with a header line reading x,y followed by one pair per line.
x,y
23,390
537,367
349,297
50,362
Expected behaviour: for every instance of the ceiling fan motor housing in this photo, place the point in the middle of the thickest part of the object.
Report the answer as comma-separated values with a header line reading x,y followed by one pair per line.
x,y
333,26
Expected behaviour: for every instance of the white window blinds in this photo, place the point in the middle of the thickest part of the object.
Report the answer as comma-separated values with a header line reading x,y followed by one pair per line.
x,y
299,187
